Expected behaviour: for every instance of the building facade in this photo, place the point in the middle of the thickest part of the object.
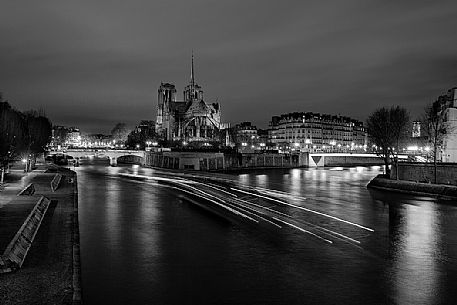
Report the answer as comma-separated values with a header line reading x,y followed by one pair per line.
x,y
315,132
448,104
189,120
245,138
98,141
63,136
416,132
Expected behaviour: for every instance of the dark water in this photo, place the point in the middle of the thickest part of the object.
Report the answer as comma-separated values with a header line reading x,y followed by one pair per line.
x,y
142,245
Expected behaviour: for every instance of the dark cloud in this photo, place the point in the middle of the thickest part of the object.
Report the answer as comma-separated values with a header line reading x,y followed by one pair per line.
x,y
94,63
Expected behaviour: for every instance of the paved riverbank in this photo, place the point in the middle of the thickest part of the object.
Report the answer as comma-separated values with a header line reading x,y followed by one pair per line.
x,y
47,275
439,190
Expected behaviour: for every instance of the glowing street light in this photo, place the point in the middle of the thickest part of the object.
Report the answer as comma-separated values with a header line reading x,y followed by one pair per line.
x,y
25,161
148,143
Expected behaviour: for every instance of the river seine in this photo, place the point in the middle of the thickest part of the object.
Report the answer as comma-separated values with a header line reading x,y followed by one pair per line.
x,y
143,244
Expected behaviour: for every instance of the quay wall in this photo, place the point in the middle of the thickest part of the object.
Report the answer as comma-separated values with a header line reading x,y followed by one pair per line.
x,y
207,161
415,188
212,161
351,160
424,172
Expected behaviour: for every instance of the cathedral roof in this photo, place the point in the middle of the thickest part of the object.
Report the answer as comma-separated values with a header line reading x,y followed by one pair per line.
x,y
179,107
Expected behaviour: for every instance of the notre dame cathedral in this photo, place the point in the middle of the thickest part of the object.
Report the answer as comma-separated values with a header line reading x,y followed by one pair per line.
x,y
189,120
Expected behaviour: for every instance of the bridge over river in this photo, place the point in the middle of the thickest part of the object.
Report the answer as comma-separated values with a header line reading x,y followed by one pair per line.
x,y
112,154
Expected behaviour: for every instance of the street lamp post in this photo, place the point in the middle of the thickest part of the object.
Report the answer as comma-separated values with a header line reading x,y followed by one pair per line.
x,y
25,161
148,144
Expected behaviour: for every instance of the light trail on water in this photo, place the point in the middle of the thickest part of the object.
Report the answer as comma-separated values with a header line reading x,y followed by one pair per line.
x,y
305,209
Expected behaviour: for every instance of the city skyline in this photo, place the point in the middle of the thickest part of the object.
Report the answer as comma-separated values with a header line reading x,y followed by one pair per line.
x,y
92,65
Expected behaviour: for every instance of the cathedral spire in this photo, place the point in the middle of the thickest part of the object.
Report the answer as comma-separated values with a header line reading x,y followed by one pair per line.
x,y
192,80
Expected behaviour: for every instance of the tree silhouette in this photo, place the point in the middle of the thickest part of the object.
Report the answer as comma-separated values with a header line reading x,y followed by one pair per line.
x,y
12,135
142,133
387,129
21,134
436,128
120,133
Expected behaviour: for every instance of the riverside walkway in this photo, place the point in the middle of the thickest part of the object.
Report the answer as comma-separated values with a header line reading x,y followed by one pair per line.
x,y
46,275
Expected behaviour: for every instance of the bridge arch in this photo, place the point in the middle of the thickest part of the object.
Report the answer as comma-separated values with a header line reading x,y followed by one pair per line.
x,y
129,159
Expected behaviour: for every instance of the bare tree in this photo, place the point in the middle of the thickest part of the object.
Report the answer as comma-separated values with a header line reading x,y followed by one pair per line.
x,y
39,131
12,135
388,128
120,133
436,128
400,123
21,134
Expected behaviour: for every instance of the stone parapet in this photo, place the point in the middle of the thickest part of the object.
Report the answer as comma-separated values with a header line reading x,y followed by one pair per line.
x,y
424,172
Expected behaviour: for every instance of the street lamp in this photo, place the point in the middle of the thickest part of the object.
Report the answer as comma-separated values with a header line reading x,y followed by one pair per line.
x,y
25,163
147,144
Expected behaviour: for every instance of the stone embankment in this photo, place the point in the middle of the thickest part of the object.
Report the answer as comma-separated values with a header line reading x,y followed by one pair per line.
x,y
39,239
438,190
446,173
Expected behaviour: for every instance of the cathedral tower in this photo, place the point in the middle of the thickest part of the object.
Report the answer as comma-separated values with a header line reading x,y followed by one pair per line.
x,y
166,96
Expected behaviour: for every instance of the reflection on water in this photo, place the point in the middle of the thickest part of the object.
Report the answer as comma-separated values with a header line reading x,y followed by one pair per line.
x,y
112,211
415,245
141,244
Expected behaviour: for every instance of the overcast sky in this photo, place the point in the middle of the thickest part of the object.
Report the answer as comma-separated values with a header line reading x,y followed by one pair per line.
x,y
94,63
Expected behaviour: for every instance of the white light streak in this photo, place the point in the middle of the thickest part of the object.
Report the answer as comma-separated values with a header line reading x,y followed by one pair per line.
x,y
303,230
305,209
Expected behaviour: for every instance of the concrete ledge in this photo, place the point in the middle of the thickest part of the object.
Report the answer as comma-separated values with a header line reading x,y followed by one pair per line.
x,y
417,188
29,190
56,182
19,246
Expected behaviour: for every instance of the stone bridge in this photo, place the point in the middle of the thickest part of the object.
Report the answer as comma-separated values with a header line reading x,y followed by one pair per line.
x,y
112,154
